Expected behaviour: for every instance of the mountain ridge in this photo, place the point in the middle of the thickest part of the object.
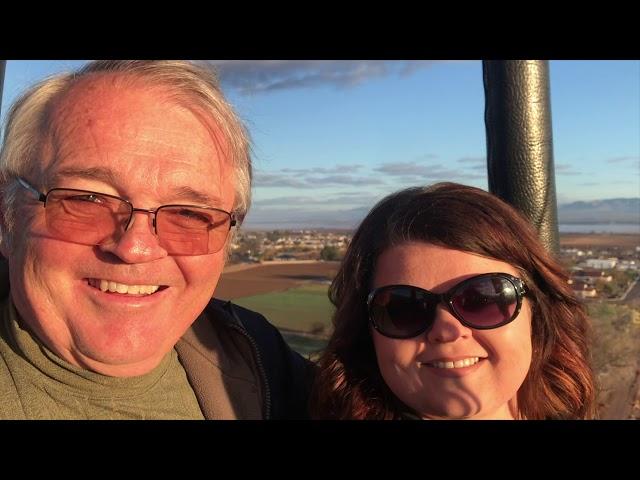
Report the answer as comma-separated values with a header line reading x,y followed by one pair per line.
x,y
606,211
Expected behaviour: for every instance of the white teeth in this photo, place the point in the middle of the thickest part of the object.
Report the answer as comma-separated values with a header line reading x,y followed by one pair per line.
x,y
467,362
111,286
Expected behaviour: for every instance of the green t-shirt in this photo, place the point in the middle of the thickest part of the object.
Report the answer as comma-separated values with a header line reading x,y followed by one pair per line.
x,y
36,384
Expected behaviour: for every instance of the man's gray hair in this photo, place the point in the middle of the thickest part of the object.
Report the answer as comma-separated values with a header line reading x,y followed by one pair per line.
x,y
193,83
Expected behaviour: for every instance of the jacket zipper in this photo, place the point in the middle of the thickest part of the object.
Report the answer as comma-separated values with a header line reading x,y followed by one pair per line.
x,y
263,375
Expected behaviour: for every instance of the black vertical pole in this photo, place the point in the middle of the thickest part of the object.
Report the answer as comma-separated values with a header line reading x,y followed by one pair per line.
x,y
519,141
2,65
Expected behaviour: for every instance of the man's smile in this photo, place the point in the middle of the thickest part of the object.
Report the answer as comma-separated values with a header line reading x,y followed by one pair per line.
x,y
123,288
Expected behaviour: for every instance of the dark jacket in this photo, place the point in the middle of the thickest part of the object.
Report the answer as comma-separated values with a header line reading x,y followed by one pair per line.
x,y
285,376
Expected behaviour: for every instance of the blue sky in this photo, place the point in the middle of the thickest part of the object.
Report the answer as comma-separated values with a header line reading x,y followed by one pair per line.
x,y
333,137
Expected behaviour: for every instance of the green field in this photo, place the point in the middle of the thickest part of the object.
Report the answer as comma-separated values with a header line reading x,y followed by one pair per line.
x,y
305,346
304,309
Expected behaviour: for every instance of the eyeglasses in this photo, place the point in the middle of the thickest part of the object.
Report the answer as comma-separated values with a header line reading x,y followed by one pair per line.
x,y
483,302
92,218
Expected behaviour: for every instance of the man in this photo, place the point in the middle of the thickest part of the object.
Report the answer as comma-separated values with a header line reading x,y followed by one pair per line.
x,y
120,186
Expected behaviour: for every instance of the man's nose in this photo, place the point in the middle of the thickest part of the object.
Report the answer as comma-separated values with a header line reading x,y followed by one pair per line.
x,y
138,244
446,328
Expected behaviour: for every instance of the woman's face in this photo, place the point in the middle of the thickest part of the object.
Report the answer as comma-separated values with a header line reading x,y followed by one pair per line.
x,y
485,390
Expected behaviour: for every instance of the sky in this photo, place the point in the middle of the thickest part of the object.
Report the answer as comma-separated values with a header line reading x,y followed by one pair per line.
x,y
331,138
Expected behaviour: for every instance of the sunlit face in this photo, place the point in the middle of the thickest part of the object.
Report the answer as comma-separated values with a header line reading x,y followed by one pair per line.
x,y
486,390
135,143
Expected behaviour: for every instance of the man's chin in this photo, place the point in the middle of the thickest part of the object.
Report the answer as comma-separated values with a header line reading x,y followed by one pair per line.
x,y
122,364
123,352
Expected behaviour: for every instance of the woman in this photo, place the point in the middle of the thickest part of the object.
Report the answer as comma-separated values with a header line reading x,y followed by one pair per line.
x,y
448,306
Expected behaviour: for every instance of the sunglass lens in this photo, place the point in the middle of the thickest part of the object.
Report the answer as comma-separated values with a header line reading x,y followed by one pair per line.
x,y
402,312
486,302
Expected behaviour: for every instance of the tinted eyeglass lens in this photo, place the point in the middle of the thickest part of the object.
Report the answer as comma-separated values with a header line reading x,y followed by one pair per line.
x,y
85,217
402,312
192,231
93,219
486,302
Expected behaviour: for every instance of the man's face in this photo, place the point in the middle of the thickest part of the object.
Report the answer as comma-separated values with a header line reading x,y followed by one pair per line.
x,y
134,143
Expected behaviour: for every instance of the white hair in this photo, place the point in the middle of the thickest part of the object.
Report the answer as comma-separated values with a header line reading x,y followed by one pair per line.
x,y
196,84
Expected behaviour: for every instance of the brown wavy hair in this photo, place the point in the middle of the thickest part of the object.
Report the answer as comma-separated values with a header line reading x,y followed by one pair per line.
x,y
560,381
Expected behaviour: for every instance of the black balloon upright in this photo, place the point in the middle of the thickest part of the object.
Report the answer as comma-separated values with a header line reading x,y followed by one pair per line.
x,y
519,141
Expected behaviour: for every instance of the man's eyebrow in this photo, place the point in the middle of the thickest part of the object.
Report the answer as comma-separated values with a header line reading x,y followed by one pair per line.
x,y
107,176
101,174
188,194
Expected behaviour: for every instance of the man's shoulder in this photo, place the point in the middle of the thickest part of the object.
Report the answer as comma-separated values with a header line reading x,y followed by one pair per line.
x,y
227,306
266,336
288,374
244,318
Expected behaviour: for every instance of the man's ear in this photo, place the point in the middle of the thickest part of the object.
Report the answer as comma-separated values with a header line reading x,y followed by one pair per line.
x,y
4,249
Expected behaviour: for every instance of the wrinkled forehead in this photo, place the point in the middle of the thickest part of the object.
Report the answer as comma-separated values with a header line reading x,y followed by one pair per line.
x,y
143,136
124,108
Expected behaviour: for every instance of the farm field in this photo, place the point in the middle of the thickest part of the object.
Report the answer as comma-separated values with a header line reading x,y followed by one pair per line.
x,y
304,308
584,240
239,281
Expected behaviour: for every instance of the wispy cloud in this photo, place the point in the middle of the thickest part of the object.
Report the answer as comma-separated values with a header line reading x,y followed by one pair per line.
x,y
622,159
352,194
404,168
474,160
477,164
566,169
277,180
338,169
414,171
351,199
343,180
256,76
293,179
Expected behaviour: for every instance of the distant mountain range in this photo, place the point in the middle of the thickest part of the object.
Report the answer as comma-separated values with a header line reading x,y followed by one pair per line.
x,y
609,211
614,210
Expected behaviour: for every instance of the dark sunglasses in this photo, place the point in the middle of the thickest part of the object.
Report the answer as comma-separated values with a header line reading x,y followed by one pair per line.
x,y
483,302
